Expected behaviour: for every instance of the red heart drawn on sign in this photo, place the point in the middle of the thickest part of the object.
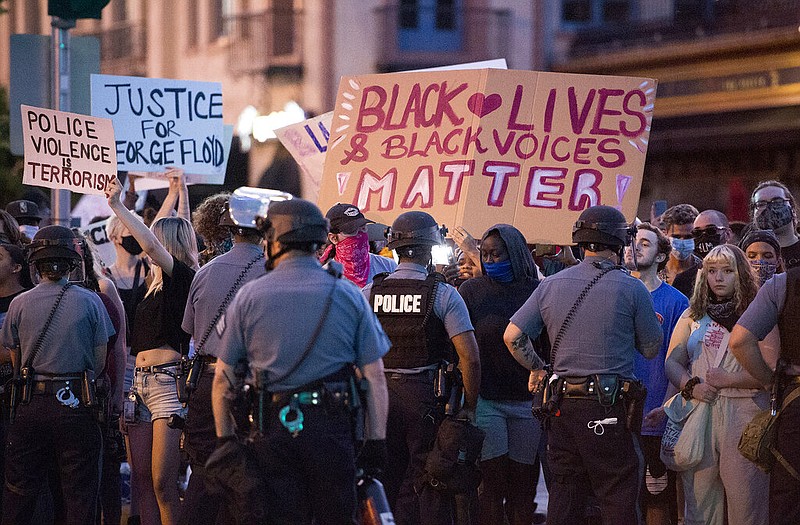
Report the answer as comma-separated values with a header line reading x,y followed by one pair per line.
x,y
482,105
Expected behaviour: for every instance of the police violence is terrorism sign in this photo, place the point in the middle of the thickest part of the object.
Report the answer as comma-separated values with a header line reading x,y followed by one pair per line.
x,y
480,147
67,151
162,122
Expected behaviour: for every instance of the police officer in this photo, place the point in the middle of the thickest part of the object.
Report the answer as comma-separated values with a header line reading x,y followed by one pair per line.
x,y
297,331
776,304
598,317
425,318
58,332
212,290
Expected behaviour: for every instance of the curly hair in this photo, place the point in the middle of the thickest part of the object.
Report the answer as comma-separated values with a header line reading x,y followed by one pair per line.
x,y
205,218
679,215
745,288
664,245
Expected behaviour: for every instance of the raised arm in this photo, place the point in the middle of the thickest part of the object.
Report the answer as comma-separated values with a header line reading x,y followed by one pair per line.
x,y
146,239
178,192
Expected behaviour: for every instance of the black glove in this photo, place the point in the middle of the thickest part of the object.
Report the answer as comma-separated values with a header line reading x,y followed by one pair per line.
x,y
373,456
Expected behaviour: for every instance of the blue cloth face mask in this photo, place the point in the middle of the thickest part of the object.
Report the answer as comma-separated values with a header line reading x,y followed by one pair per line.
x,y
500,271
764,269
683,248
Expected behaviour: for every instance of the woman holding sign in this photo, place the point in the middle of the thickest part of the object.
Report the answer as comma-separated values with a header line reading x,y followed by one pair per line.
x,y
159,343
700,365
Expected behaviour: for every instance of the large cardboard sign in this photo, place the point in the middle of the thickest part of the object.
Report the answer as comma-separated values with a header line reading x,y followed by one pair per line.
x,y
480,147
67,151
162,122
307,141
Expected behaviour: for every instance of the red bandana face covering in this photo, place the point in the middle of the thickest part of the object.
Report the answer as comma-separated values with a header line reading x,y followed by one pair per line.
x,y
353,254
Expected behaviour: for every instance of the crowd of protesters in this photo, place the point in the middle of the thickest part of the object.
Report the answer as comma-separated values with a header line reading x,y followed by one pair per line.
x,y
164,301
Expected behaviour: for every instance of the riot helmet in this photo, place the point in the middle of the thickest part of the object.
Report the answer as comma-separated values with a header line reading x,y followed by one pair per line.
x,y
414,228
55,249
296,221
602,225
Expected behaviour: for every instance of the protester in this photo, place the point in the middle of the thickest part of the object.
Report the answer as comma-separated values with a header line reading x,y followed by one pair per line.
x,y
772,207
304,446
159,343
678,223
598,317
27,216
658,495
763,252
58,352
504,406
724,487
212,290
775,307
9,230
710,229
205,219
420,343
349,245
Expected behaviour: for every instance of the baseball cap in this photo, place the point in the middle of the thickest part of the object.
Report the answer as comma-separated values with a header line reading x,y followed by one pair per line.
x,y
23,209
346,218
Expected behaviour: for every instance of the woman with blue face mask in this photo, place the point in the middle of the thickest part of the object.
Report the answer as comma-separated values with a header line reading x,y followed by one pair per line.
x,y
504,406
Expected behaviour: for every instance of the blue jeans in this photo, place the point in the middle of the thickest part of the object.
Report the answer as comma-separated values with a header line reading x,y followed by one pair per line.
x,y
46,432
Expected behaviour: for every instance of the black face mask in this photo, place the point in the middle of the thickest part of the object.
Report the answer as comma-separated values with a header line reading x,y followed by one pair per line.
x,y
703,243
131,245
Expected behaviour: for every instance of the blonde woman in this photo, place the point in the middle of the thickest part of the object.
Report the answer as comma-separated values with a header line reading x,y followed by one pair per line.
x,y
701,366
158,342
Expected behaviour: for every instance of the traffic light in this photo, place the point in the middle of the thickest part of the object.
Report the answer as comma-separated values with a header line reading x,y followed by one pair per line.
x,y
75,9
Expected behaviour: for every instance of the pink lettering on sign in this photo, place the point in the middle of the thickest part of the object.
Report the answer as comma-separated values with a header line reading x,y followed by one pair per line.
x,y
455,171
500,173
540,184
421,188
383,185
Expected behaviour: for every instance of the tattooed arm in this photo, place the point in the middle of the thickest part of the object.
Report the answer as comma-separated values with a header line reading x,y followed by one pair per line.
x,y
521,348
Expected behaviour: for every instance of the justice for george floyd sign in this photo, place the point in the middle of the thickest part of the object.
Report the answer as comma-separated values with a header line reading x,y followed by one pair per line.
x,y
162,122
67,151
480,147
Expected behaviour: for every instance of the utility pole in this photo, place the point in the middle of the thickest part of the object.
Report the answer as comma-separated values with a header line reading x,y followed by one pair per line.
x,y
60,203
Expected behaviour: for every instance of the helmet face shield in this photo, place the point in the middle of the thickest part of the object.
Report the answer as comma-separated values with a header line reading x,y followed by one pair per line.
x,y
247,205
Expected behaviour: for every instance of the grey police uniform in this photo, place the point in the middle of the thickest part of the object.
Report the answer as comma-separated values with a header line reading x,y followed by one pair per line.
x,y
46,431
268,326
615,321
209,288
414,415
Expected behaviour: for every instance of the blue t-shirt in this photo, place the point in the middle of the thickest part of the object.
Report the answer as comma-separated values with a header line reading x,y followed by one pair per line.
x,y
669,304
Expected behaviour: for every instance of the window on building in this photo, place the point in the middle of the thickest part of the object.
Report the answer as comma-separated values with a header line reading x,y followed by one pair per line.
x,y
191,26
33,18
221,18
409,14
587,13
446,15
430,25
119,10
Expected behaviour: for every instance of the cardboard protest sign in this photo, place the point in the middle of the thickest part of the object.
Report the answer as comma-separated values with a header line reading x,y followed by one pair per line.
x,y
161,122
307,141
480,147
102,248
67,151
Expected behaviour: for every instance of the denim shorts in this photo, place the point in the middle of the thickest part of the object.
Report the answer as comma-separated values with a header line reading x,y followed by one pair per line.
x,y
157,396
510,429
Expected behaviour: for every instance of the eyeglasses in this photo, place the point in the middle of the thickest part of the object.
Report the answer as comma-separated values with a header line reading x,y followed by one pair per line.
x,y
777,201
708,230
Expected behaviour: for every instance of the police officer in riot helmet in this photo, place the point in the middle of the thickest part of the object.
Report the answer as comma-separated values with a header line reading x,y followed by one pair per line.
x,y
296,332
429,325
58,335
598,316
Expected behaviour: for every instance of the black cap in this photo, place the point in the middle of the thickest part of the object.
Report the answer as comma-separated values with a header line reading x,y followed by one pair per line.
x,y
766,236
23,209
346,218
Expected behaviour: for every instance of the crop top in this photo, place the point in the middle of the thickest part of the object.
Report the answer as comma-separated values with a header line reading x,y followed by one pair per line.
x,y
158,316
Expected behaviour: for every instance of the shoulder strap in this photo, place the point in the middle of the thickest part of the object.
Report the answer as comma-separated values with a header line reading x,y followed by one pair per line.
x,y
571,314
311,341
225,302
781,459
47,324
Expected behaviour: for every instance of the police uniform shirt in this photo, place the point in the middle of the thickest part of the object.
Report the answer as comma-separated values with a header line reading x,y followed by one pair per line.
x,y
210,286
615,319
80,325
379,264
271,319
447,306
763,313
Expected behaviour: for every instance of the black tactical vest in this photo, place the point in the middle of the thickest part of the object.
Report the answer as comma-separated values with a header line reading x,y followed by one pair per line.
x,y
405,309
789,319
